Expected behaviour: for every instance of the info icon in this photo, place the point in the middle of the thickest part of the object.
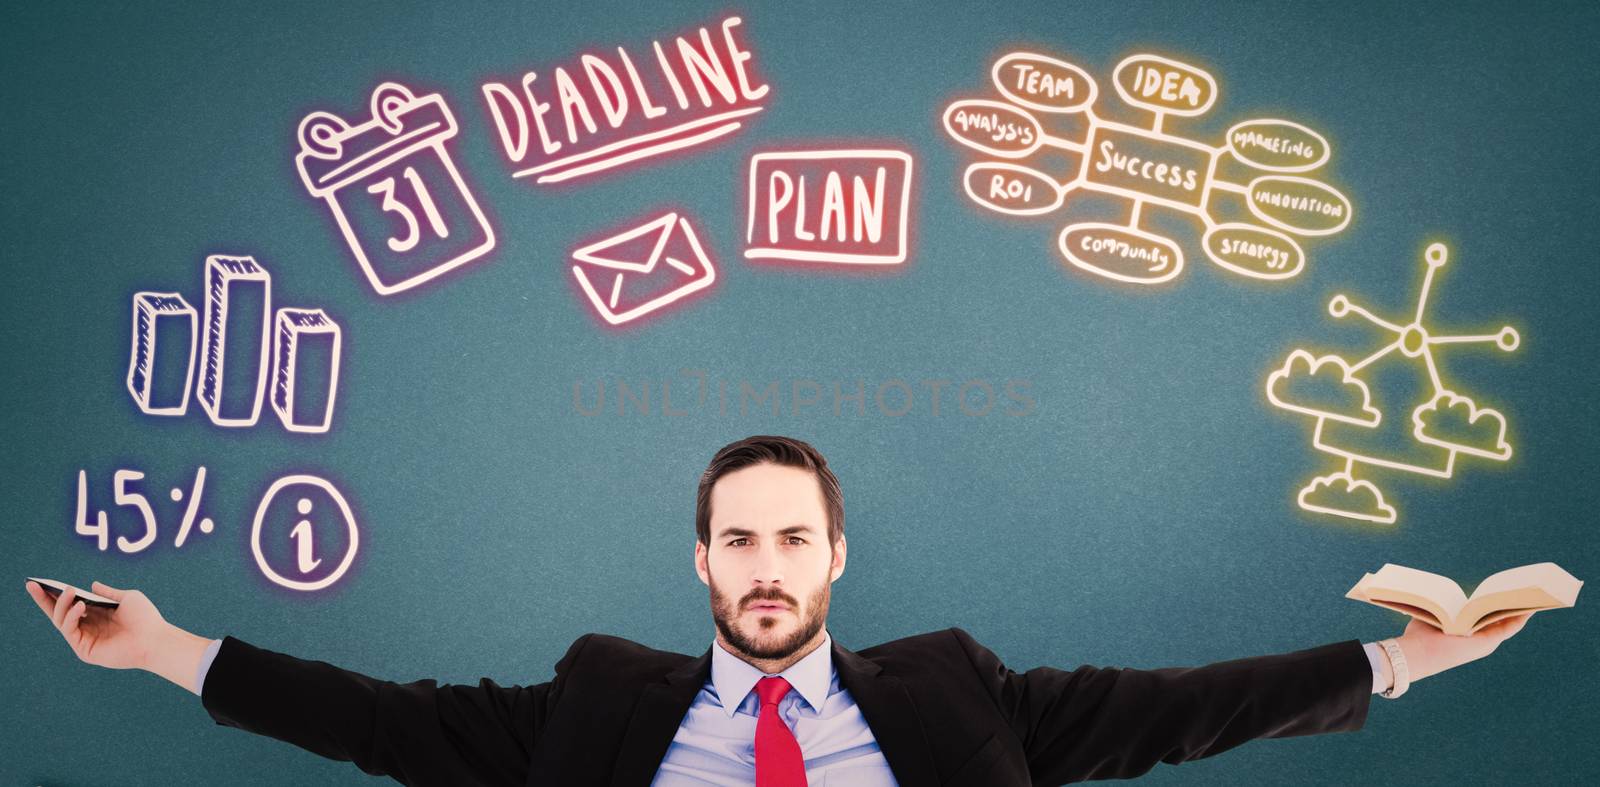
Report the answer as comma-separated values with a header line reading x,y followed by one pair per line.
x,y
304,536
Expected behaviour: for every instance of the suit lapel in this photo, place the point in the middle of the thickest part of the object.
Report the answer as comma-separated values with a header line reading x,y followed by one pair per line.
x,y
884,703
656,720
888,709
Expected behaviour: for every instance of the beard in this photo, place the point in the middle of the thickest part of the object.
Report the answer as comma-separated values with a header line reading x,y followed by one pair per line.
x,y
726,613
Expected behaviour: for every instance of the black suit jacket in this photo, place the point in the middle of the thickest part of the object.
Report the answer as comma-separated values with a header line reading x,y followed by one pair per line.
x,y
943,709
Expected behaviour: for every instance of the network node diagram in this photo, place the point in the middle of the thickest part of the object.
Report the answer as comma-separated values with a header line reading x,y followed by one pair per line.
x,y
1337,393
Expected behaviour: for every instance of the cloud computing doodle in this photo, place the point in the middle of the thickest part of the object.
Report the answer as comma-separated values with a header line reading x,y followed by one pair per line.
x,y
1146,166
394,189
1341,397
829,206
231,361
642,269
609,112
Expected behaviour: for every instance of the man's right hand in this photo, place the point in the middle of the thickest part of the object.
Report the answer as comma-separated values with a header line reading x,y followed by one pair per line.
x,y
132,636
120,638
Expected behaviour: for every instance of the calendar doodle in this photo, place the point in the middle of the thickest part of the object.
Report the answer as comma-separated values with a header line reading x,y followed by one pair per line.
x,y
394,189
1339,395
1146,166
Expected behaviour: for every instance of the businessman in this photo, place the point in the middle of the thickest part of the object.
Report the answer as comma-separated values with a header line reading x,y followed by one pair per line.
x,y
774,700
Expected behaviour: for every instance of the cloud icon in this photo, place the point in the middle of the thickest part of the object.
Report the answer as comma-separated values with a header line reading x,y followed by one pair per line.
x,y
1454,422
1342,495
1324,387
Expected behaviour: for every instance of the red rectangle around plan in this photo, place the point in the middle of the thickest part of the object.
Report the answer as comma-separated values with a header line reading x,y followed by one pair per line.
x,y
834,206
605,109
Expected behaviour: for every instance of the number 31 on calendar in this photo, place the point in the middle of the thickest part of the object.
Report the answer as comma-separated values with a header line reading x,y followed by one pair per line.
x,y
393,188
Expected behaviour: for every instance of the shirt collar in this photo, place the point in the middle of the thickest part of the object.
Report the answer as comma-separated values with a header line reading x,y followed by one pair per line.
x,y
734,677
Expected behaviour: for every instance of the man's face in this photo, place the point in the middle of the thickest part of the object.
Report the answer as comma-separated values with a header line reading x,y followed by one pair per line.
x,y
769,564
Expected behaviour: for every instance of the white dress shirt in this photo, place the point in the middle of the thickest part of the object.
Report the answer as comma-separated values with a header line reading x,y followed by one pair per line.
x,y
715,743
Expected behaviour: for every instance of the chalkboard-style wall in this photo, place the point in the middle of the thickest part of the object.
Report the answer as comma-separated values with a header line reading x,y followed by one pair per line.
x,y
376,350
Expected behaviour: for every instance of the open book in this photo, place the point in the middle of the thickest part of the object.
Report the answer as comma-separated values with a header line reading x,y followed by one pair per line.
x,y
1439,602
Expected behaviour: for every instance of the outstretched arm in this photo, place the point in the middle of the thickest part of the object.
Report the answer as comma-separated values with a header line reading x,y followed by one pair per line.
x,y
1114,723
418,733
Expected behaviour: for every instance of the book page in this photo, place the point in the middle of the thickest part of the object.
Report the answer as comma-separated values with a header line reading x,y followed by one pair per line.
x,y
1563,587
1521,599
1444,592
1497,616
1406,609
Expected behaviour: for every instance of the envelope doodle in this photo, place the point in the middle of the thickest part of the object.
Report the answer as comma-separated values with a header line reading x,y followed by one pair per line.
x,y
393,188
640,270
1147,166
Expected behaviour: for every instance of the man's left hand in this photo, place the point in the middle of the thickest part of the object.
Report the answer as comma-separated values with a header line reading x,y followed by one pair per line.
x,y
1430,651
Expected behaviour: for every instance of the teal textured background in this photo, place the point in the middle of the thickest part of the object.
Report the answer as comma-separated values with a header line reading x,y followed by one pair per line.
x,y
1141,515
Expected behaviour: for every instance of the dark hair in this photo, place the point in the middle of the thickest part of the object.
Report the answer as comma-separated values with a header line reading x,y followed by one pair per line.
x,y
759,449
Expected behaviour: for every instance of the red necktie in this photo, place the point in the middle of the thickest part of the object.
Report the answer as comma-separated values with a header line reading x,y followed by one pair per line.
x,y
778,760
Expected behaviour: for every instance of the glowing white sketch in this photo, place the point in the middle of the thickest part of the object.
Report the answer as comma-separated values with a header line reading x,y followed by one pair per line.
x,y
1445,404
1447,420
296,329
127,497
649,262
1146,166
851,198
1360,413
160,315
301,534
607,112
394,189
238,351
229,280
1341,495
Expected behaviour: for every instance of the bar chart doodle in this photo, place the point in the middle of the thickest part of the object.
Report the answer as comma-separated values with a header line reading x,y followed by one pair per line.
x,y
160,382
1337,394
1146,166
394,189
305,338
238,315
230,361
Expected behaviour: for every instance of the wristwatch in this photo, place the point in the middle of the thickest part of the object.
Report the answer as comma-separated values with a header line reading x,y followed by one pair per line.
x,y
1397,666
